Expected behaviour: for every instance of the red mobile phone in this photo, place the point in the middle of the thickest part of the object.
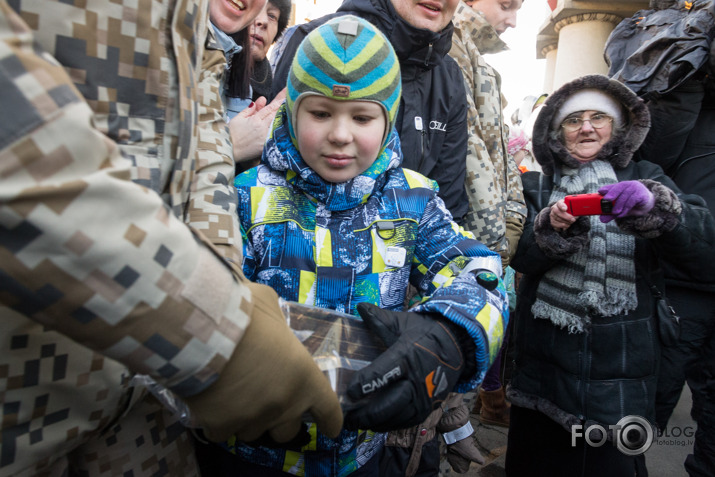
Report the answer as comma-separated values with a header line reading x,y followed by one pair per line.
x,y
588,204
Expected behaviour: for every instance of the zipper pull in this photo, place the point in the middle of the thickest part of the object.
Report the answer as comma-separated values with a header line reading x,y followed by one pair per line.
x,y
429,55
418,123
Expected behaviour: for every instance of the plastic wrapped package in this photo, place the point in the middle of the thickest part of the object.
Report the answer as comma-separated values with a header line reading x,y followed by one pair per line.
x,y
339,343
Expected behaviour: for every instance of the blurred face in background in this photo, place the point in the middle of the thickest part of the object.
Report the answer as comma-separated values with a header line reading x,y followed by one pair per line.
x,y
501,14
433,15
231,16
263,31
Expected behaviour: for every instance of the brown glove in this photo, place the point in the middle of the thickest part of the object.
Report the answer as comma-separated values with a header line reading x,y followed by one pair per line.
x,y
458,435
514,229
269,382
462,453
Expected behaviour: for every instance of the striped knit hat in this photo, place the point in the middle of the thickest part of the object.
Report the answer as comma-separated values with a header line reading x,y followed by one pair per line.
x,y
346,59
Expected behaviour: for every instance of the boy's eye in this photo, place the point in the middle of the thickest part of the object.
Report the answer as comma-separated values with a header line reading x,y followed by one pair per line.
x,y
363,119
319,114
273,16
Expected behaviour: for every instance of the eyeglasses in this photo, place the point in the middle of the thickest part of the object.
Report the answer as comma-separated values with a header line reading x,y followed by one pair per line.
x,y
597,121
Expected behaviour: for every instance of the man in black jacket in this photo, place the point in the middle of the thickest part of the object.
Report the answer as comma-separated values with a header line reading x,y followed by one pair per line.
x,y
432,120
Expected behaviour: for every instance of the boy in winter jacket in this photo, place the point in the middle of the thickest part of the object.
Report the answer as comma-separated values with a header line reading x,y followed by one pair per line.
x,y
331,219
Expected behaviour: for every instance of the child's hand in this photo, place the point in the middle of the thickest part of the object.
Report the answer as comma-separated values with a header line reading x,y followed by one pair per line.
x,y
405,383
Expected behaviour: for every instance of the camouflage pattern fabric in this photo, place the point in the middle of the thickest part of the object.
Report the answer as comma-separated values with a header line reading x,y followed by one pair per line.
x,y
111,143
496,202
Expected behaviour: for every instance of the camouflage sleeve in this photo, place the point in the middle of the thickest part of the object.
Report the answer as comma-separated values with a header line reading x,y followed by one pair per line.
x,y
496,203
515,210
480,170
212,208
91,254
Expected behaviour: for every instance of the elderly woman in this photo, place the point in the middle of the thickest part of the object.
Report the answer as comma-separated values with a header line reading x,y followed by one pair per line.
x,y
585,331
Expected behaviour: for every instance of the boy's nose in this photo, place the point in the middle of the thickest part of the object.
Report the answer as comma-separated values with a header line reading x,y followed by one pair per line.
x,y
340,133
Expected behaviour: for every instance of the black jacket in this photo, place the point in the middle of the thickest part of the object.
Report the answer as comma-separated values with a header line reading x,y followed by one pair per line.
x,y
609,371
432,89
667,57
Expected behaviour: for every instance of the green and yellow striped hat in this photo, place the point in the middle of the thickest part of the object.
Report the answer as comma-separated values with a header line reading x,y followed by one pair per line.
x,y
346,59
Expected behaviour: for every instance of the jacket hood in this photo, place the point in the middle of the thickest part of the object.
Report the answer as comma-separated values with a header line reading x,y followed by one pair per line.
x,y
551,153
414,46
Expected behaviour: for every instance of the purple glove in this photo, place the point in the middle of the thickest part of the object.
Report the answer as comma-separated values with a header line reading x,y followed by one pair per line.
x,y
630,199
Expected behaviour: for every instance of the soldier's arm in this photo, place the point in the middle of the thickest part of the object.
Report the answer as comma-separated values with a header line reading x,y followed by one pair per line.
x,y
91,254
212,208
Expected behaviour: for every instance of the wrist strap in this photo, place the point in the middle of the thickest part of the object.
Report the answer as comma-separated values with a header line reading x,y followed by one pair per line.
x,y
458,434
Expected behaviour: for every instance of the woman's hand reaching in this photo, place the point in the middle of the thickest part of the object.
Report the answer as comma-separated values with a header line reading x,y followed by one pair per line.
x,y
249,128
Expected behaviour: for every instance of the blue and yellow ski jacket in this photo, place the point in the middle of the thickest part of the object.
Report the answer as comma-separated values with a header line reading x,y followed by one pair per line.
x,y
337,245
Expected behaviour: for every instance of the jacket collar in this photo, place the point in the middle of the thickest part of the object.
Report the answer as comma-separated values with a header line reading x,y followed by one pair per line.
x,y
472,22
220,40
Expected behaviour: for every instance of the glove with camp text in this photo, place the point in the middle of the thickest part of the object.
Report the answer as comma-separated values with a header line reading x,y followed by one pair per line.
x,y
423,362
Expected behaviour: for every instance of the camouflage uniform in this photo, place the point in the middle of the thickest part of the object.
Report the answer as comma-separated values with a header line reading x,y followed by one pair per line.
x,y
496,202
111,142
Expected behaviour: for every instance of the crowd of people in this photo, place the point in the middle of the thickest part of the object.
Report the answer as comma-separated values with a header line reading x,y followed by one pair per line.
x,y
164,186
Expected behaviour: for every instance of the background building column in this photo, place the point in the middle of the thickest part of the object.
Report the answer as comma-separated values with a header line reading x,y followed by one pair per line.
x,y
549,52
577,57
573,38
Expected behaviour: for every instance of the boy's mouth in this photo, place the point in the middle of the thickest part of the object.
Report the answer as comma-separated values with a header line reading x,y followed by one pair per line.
x,y
338,160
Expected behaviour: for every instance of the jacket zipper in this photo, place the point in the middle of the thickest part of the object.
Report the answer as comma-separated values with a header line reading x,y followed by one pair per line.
x,y
429,55
419,125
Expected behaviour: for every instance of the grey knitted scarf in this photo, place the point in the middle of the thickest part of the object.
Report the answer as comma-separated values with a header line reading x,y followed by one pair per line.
x,y
598,280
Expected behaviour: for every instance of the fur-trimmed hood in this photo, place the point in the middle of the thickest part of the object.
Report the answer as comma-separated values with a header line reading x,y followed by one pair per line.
x,y
618,151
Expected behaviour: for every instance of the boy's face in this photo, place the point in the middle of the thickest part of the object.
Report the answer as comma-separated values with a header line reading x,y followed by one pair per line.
x,y
433,15
501,14
339,139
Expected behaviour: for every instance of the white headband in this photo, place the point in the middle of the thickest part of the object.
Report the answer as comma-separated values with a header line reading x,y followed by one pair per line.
x,y
589,100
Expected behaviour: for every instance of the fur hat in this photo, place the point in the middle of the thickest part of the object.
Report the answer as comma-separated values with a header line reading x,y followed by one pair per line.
x,y
589,100
346,59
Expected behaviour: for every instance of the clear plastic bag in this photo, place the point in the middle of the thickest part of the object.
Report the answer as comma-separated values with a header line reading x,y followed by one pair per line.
x,y
339,343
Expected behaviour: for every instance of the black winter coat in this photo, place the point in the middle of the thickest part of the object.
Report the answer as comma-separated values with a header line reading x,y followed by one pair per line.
x,y
609,371
434,145
574,378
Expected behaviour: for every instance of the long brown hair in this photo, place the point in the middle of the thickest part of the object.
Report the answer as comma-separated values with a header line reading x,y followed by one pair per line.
x,y
238,80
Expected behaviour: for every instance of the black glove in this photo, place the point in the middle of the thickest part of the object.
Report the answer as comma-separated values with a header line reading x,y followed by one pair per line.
x,y
422,364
